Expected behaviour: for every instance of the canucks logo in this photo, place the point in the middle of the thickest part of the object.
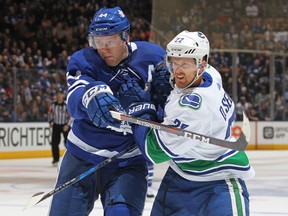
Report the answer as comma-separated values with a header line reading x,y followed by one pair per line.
x,y
192,100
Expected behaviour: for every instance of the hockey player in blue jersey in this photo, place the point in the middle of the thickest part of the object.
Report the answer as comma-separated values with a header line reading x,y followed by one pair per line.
x,y
95,76
202,179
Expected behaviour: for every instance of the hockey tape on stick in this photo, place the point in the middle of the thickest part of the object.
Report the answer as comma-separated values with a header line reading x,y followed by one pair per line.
x,y
240,144
40,196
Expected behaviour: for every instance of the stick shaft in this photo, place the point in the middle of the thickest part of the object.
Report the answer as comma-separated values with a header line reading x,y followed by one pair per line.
x,y
240,144
88,172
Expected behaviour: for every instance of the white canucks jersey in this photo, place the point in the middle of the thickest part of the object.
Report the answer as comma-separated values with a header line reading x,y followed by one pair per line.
x,y
214,73
206,110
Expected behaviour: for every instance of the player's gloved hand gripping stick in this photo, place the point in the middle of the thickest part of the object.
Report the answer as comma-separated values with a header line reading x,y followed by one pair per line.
x,y
240,144
98,99
136,100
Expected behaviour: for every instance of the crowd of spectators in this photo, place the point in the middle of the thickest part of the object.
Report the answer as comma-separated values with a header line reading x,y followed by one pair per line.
x,y
37,38
238,25
258,90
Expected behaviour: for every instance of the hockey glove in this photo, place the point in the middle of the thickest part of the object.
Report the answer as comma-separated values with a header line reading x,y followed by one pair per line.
x,y
160,85
98,100
131,92
143,110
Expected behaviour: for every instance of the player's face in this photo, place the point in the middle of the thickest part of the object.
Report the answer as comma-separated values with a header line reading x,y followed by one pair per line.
x,y
112,49
184,71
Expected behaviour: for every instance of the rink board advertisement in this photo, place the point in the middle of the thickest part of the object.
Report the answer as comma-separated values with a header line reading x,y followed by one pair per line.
x,y
273,134
25,140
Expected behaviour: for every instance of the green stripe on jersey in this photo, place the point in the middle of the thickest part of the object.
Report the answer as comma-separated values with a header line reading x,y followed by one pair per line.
x,y
154,150
239,159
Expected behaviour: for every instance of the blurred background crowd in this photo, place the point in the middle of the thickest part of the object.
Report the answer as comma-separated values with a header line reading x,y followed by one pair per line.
x,y
37,38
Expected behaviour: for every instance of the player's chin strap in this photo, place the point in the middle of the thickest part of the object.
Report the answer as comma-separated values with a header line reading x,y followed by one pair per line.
x,y
40,196
198,74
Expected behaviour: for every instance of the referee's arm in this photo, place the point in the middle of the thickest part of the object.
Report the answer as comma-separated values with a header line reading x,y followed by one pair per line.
x,y
51,115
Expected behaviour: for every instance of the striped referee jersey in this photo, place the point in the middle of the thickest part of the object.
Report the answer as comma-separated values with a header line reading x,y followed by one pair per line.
x,y
58,113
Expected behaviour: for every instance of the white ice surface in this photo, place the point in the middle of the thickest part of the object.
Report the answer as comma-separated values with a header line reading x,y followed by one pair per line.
x,y
21,178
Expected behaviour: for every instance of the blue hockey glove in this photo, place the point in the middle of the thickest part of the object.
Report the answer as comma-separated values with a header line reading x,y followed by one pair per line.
x,y
160,84
144,110
131,92
98,100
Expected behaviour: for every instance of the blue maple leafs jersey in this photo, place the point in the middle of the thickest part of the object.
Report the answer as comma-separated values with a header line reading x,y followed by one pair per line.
x,y
85,140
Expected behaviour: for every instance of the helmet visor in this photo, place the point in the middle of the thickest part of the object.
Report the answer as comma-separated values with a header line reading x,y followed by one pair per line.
x,y
183,64
107,41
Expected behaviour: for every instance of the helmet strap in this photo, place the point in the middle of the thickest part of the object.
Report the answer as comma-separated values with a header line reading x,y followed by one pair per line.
x,y
198,75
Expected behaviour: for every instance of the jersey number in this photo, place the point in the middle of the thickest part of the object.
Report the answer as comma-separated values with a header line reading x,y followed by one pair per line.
x,y
178,124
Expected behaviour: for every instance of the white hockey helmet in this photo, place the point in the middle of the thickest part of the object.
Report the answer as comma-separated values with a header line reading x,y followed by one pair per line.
x,y
189,45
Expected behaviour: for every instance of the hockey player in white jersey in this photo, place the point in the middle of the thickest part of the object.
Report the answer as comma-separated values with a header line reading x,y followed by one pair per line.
x,y
202,179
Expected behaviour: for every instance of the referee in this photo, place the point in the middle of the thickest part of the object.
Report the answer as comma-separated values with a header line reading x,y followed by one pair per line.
x,y
59,119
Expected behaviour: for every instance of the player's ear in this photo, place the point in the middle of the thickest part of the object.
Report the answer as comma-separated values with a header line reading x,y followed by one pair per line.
x,y
204,63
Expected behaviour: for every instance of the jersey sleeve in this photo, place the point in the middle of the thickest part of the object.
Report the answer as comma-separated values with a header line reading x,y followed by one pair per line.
x,y
78,76
153,148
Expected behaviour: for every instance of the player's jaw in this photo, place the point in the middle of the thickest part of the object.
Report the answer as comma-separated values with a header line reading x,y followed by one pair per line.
x,y
183,79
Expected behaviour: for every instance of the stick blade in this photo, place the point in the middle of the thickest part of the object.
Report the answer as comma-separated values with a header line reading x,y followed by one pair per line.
x,y
244,137
246,127
36,198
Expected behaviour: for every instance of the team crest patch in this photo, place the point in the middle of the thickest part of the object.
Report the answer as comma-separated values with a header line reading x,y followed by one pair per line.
x,y
192,100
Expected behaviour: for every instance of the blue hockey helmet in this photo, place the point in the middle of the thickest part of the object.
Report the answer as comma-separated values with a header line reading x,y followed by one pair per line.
x,y
109,21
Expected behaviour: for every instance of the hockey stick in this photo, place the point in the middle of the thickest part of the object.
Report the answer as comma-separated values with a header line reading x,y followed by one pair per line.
x,y
240,144
39,197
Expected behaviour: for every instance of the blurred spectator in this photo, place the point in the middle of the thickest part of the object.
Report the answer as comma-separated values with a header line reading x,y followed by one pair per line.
x,y
20,115
43,81
264,111
34,115
242,105
262,98
279,105
251,9
27,92
252,114
5,106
